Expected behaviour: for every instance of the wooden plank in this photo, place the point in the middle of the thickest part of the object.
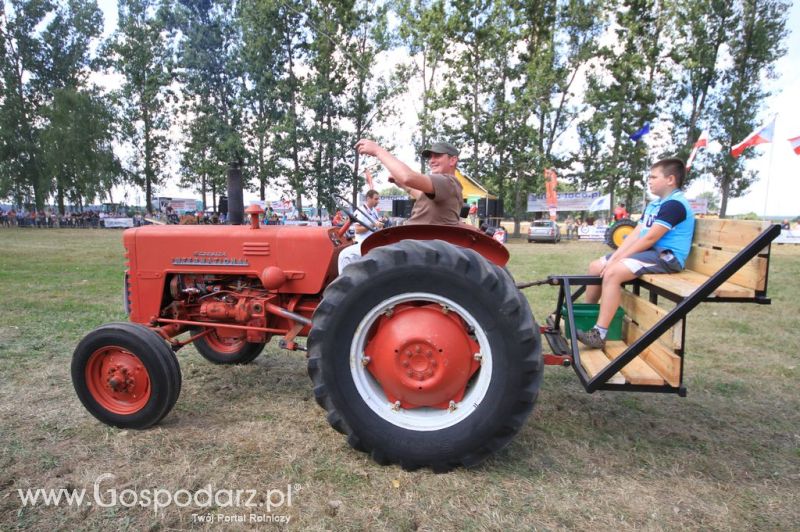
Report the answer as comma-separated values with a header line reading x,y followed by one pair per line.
x,y
687,281
637,371
647,314
594,360
660,358
709,261
732,235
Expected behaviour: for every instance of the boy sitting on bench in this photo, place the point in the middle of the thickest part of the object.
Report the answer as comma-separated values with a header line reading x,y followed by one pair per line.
x,y
659,244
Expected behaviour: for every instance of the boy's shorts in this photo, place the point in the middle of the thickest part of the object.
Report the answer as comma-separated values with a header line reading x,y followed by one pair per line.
x,y
651,261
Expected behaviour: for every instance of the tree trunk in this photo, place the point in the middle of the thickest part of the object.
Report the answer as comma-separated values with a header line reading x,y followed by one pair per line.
x,y
723,205
60,198
203,186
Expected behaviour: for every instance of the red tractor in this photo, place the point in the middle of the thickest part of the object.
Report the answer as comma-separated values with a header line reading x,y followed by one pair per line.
x,y
423,353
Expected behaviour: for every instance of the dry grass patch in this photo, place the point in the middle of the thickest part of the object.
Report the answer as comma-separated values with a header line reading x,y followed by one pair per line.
x,y
725,457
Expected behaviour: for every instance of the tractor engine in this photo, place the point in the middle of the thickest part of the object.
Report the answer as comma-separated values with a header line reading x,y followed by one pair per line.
x,y
233,299
236,300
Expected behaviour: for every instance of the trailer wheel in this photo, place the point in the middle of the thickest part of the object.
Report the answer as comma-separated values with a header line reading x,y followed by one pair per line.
x,y
226,346
619,231
126,375
426,355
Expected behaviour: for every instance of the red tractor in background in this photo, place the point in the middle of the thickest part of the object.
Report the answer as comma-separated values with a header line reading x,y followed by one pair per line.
x,y
423,353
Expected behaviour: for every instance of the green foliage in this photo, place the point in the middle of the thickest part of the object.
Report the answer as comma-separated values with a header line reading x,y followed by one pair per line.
x,y
77,148
754,48
392,191
622,92
45,49
263,57
287,88
423,32
709,23
139,51
713,200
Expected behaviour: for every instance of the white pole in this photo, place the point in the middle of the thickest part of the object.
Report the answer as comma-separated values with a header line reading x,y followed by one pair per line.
x,y
769,168
769,174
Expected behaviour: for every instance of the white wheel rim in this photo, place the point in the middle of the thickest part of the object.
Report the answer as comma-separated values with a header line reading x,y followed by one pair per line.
x,y
424,418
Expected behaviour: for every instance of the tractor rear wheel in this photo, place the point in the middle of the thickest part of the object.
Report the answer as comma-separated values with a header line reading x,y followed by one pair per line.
x,y
226,346
426,355
617,233
126,375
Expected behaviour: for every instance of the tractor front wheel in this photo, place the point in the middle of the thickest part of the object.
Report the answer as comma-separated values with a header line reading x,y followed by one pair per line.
x,y
126,375
425,355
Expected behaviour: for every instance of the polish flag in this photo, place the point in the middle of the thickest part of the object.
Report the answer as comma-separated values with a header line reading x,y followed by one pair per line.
x,y
761,135
702,142
795,142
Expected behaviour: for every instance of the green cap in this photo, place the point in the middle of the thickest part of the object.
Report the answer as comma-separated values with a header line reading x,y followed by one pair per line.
x,y
440,147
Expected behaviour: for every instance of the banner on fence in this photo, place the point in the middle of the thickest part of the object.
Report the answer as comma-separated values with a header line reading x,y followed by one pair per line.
x,y
592,232
788,236
179,205
113,223
699,205
567,201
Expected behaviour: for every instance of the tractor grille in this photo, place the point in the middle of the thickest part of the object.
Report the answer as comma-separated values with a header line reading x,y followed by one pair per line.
x,y
126,294
255,248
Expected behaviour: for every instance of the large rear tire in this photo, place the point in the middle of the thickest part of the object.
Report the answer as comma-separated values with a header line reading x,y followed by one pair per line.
x,y
617,233
126,375
226,346
426,355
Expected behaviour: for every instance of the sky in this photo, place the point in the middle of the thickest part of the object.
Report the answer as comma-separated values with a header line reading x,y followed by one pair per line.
x,y
776,193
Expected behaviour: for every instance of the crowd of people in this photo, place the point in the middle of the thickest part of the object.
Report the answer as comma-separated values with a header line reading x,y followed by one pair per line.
x,y
48,219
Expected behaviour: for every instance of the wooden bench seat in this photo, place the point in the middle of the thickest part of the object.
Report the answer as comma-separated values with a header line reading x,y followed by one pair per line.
x,y
732,255
714,244
684,283
656,366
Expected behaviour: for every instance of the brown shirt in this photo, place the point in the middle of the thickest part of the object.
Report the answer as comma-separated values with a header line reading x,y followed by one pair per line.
x,y
442,207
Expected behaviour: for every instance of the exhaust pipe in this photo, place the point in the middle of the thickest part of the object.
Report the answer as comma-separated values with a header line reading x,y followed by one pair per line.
x,y
235,194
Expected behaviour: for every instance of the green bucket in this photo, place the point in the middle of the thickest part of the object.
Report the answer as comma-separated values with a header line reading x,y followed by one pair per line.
x,y
586,317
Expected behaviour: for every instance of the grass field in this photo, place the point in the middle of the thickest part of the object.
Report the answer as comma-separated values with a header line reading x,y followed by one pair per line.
x,y
726,457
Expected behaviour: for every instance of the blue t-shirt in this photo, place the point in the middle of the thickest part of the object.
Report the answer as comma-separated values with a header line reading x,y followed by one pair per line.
x,y
674,213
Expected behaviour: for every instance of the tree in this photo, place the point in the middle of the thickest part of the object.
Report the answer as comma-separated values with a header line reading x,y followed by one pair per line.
x,y
46,53
291,135
621,93
139,51
77,147
558,42
212,80
201,165
755,47
423,33
367,96
21,103
76,140
701,31
328,24
263,59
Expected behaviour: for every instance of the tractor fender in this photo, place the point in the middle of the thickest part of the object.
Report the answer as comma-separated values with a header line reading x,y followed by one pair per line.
x,y
464,236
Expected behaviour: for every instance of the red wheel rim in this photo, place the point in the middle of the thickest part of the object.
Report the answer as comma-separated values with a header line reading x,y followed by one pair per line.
x,y
118,380
226,341
422,356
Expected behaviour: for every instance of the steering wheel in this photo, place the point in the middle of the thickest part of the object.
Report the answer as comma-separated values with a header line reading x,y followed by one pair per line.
x,y
365,222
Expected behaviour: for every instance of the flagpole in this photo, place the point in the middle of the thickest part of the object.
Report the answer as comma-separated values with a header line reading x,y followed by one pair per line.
x,y
769,175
